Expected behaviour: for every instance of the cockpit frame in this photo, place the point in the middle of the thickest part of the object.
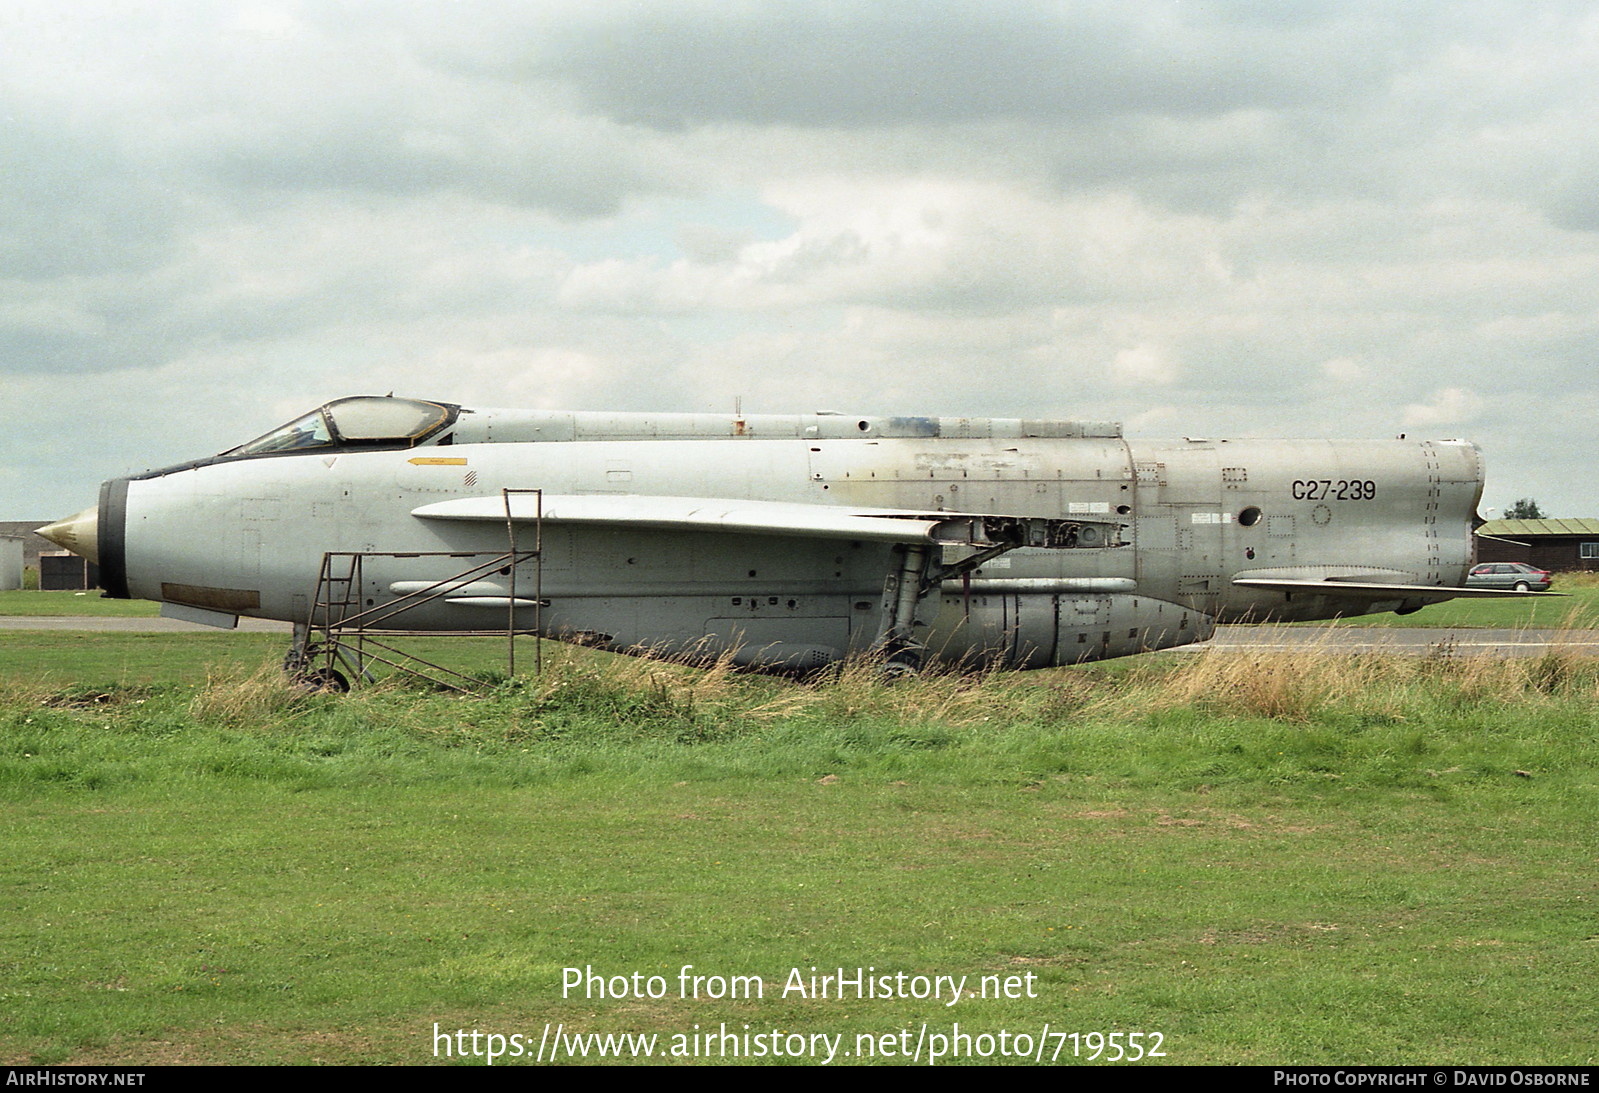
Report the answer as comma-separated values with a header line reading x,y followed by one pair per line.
x,y
357,423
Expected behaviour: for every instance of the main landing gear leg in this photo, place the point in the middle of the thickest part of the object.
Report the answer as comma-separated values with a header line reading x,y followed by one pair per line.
x,y
297,661
902,593
914,577
297,665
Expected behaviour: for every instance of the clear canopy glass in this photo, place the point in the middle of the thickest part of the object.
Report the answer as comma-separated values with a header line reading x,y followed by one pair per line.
x,y
364,422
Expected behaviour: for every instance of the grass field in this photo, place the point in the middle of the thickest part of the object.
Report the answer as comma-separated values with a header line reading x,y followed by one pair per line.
x,y
34,602
1264,859
1576,607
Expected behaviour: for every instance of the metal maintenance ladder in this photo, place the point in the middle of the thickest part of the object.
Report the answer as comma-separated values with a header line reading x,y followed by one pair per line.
x,y
342,629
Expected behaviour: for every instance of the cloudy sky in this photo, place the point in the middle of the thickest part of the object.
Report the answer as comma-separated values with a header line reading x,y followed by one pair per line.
x,y
1235,217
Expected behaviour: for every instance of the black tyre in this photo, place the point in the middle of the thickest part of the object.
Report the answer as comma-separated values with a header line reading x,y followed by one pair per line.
x,y
328,681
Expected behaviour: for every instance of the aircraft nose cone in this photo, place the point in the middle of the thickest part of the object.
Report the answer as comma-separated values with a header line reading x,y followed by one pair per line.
x,y
79,533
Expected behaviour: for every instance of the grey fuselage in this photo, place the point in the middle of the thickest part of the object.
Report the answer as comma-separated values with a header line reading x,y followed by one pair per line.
x,y
247,535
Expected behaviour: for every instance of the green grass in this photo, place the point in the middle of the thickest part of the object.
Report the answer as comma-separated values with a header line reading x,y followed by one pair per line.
x,y
62,658
1267,859
1576,608
34,602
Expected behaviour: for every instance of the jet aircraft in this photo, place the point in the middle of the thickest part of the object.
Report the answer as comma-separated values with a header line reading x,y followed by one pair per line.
x,y
786,542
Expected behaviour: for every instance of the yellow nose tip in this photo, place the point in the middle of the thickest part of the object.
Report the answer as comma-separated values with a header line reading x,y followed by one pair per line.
x,y
79,533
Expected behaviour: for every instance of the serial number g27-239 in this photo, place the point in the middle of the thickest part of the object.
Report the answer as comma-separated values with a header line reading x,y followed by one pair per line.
x,y
1334,489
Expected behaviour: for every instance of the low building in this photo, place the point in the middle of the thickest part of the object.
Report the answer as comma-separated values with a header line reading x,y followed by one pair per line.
x,y
32,545
11,554
63,571
1561,546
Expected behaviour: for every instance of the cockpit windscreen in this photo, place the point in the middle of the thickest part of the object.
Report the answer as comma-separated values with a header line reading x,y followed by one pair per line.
x,y
363,422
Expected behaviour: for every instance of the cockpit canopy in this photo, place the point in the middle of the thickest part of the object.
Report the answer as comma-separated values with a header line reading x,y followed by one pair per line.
x,y
360,423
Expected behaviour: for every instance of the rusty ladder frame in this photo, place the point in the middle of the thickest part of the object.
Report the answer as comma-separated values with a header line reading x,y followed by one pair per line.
x,y
350,632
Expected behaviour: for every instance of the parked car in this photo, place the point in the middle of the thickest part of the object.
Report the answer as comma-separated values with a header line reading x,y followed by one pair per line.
x,y
1517,575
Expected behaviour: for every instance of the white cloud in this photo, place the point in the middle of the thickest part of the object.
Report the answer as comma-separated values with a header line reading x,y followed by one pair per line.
x,y
1344,370
1202,218
1144,366
1449,406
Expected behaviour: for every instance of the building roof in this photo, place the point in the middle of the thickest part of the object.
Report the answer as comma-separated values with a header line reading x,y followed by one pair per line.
x,y
1540,527
32,545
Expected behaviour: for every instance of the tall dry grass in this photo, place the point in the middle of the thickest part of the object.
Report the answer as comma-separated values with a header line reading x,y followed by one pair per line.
x,y
1302,685
21,692
698,701
246,699
1291,686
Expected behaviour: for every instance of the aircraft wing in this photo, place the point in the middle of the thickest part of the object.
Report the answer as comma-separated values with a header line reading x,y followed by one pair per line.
x,y
721,514
1371,590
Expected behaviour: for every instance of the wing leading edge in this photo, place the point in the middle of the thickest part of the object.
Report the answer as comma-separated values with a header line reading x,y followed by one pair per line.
x,y
736,516
1375,591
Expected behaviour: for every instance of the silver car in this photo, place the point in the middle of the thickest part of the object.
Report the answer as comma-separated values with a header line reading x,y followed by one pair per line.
x,y
1517,575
